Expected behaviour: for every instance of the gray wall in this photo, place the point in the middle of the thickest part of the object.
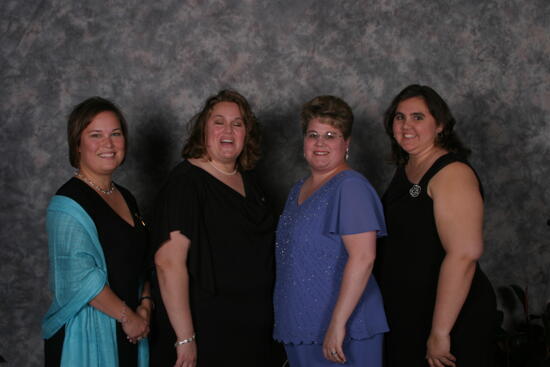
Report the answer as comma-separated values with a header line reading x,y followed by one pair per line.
x,y
159,60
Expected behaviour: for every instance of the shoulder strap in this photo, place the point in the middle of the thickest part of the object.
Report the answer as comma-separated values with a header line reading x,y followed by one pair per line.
x,y
443,161
438,165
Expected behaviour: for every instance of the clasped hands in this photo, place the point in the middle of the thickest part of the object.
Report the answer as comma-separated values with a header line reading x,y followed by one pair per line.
x,y
136,325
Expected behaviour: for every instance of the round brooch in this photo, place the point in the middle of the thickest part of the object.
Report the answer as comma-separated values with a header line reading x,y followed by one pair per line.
x,y
414,191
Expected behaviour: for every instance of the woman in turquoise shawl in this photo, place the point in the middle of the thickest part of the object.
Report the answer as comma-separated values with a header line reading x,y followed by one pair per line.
x,y
101,304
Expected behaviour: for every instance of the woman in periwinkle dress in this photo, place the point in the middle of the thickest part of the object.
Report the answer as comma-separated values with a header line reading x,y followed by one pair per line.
x,y
328,308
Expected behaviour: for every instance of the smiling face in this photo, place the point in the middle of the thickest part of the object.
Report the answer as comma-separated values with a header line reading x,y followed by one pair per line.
x,y
225,133
322,154
102,145
414,127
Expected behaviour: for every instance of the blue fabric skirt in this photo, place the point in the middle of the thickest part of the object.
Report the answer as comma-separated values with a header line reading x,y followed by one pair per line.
x,y
359,353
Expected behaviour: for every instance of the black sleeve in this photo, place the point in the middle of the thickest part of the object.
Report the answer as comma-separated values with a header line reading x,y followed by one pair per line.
x,y
176,208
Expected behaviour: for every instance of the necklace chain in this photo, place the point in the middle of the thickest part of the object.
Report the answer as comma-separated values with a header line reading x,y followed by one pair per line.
x,y
232,173
96,186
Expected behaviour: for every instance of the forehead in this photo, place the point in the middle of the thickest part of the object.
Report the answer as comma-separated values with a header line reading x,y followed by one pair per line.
x,y
413,104
104,120
226,109
322,124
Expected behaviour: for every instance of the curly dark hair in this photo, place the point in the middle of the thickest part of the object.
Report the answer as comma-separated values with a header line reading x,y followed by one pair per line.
x,y
446,139
330,109
195,146
82,115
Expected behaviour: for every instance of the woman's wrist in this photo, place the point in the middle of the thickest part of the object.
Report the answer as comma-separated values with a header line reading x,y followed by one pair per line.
x,y
184,341
123,318
439,332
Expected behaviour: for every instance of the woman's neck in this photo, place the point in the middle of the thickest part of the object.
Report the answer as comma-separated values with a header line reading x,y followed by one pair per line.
x,y
426,157
318,178
103,181
418,164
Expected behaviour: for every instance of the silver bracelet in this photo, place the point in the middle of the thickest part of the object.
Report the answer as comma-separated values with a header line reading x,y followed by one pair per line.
x,y
184,341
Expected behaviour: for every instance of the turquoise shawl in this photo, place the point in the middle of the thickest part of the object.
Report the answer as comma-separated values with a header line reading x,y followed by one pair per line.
x,y
78,273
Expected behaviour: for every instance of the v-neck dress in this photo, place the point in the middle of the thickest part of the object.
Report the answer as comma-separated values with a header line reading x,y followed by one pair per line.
x,y
125,251
311,257
407,268
231,268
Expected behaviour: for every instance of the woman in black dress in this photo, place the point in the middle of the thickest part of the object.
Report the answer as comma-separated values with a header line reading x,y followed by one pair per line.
x,y
440,305
98,246
214,234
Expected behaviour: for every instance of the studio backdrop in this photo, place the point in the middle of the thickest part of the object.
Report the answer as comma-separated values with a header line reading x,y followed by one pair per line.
x,y
160,60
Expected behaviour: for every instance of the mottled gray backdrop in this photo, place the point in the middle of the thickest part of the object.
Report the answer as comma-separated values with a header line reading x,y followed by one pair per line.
x,y
159,60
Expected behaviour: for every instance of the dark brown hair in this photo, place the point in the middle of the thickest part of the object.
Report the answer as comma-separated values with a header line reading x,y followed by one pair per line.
x,y
195,146
81,116
446,139
331,110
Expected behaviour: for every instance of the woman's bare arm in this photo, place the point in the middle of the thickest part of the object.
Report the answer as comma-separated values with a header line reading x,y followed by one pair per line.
x,y
458,210
173,277
361,250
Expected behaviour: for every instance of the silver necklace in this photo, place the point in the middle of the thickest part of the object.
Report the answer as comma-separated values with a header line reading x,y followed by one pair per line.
x,y
96,186
232,173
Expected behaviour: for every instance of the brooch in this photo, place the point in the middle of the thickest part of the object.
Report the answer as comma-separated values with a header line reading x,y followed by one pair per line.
x,y
414,191
139,219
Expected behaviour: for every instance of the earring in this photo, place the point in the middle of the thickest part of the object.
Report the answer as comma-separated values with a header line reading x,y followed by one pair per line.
x,y
347,154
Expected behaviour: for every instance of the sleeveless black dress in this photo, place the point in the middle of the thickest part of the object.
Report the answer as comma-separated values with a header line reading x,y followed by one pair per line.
x,y
407,268
231,269
125,250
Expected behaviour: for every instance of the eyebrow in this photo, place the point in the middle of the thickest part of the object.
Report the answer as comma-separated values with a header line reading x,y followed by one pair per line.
x,y
222,116
318,133
99,130
412,114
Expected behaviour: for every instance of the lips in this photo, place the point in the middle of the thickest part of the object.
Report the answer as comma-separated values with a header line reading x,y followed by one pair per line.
x,y
226,141
107,155
322,153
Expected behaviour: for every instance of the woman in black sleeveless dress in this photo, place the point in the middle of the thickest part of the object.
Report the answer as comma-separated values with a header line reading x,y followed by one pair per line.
x,y
440,306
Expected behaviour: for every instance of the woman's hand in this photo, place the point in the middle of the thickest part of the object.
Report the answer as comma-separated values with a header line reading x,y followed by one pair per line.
x,y
187,355
145,313
439,351
135,327
332,345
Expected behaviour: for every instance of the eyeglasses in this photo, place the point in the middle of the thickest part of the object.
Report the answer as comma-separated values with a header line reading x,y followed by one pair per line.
x,y
328,136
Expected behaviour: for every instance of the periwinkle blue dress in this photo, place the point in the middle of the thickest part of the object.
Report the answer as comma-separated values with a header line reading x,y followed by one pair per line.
x,y
311,257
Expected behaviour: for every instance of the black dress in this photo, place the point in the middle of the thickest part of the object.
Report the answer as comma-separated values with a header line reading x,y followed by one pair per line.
x,y
408,264
231,268
125,250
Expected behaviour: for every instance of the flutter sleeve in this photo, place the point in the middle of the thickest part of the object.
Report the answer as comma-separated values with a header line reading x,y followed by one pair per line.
x,y
356,208
178,208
